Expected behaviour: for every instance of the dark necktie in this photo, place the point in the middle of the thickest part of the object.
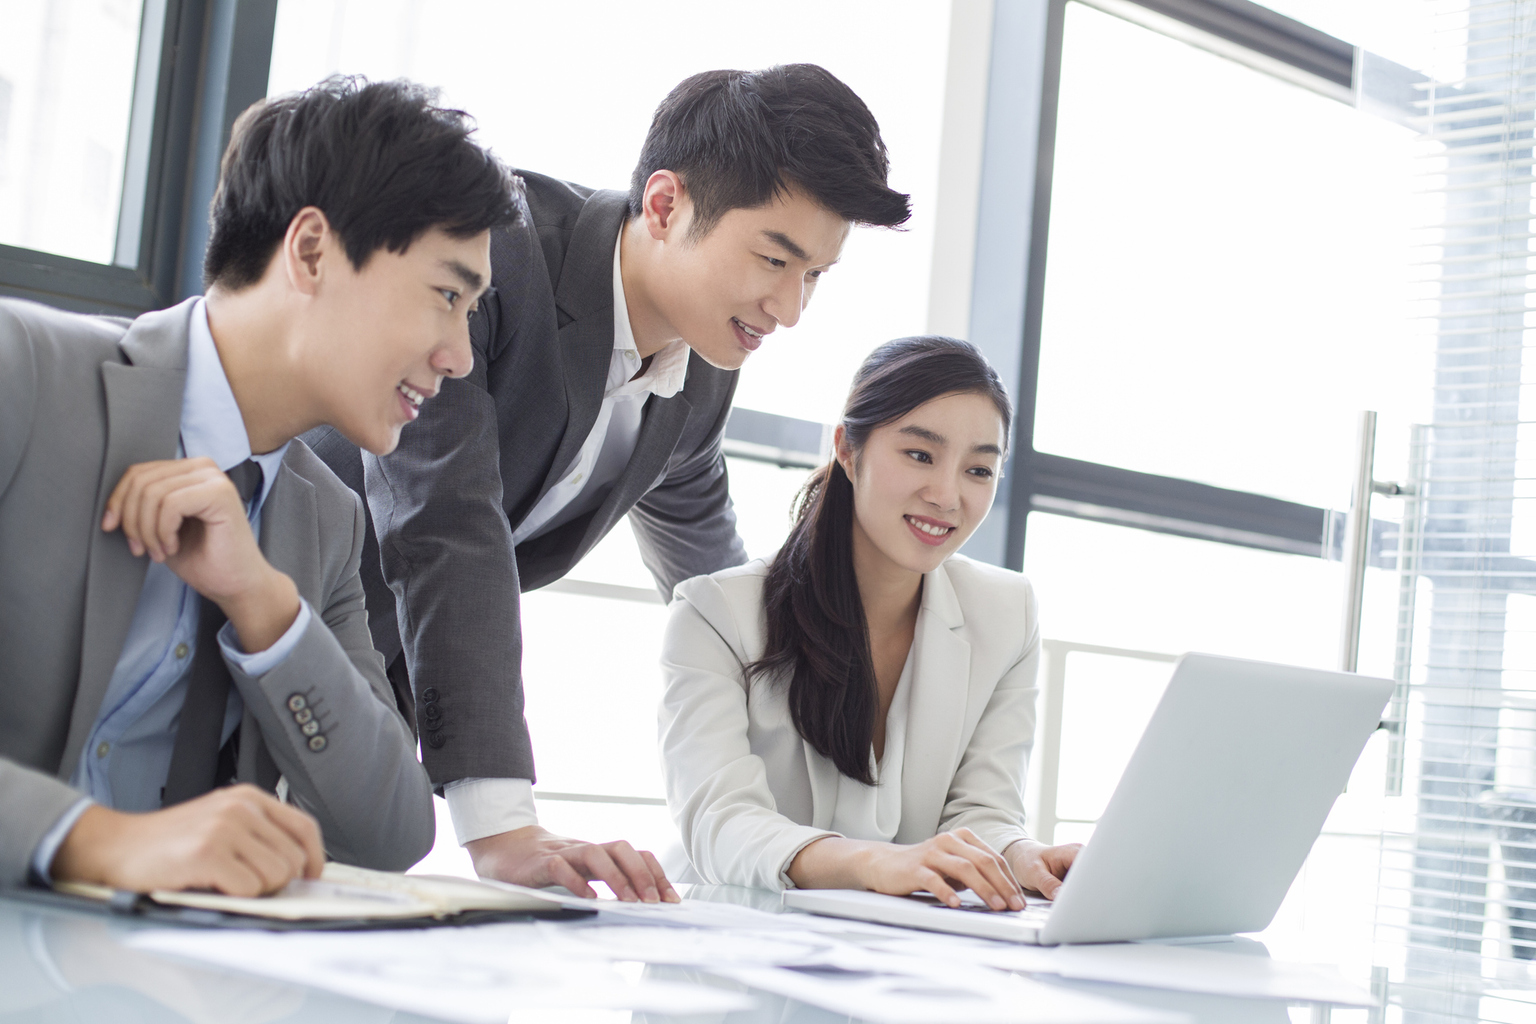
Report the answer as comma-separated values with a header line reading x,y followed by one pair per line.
x,y
195,767
247,479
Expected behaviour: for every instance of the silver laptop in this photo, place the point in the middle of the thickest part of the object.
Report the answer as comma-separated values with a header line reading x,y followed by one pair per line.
x,y
1211,822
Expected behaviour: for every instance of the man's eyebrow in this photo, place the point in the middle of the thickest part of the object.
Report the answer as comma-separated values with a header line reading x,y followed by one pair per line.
x,y
924,433
472,280
786,243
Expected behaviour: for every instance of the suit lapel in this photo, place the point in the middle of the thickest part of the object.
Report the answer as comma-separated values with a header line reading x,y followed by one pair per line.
x,y
143,400
290,531
660,431
585,294
941,678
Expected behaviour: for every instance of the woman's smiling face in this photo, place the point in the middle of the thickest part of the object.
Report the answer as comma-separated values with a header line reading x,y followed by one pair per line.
x,y
923,483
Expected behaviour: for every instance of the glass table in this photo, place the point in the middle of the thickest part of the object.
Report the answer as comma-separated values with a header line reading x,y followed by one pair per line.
x,y
62,965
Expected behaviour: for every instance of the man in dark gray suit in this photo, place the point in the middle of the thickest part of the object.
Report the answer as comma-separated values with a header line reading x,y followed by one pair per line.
x,y
605,363
180,605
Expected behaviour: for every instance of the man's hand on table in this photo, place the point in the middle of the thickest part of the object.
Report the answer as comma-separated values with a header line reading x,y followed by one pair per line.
x,y
237,840
536,857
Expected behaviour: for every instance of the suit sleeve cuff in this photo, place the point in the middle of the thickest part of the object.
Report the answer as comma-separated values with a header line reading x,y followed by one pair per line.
x,y
48,848
262,662
488,807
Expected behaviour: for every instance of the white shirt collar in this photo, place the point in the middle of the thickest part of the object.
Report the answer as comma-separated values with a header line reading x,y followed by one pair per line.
x,y
211,423
668,371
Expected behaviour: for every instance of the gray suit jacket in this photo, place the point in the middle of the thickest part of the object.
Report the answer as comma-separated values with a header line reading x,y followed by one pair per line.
x,y
488,447
81,400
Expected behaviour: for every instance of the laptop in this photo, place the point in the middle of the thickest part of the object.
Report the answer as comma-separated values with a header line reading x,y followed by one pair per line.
x,y
1211,822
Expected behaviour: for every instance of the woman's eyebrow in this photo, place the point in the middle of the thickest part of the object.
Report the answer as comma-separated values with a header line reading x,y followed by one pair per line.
x,y
924,433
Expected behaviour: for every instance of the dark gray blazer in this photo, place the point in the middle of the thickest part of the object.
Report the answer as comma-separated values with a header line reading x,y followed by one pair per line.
x,y
81,400
445,503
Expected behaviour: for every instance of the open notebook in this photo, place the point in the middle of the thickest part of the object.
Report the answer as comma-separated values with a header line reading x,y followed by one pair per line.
x,y
343,897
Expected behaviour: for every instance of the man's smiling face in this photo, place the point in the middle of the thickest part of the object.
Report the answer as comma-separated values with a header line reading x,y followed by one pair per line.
x,y
752,273
396,329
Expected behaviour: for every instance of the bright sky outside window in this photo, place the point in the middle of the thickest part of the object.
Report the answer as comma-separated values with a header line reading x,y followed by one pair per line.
x,y
66,89
1228,277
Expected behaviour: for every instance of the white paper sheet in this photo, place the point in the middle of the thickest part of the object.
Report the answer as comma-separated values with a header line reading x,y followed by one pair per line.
x,y
1180,967
889,992
475,975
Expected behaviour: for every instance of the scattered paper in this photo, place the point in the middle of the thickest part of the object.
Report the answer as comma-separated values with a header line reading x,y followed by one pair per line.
x,y
687,947
475,975
893,994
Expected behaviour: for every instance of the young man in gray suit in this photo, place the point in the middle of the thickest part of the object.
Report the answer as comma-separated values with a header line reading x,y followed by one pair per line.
x,y
604,369
180,605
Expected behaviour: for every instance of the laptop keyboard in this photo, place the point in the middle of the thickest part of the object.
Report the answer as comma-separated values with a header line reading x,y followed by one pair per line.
x,y
1034,913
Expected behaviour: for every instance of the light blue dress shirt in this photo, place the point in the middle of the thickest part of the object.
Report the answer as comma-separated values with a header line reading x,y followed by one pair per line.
x,y
127,756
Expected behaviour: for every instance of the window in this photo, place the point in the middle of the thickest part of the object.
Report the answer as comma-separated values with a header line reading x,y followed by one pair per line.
x,y
1227,280
113,116
66,92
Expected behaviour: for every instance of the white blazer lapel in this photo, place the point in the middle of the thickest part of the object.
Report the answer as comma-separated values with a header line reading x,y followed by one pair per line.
x,y
941,676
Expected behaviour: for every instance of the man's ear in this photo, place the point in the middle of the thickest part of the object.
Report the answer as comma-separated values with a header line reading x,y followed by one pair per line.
x,y
306,244
665,206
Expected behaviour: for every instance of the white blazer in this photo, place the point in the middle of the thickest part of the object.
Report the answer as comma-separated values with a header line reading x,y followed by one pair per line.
x,y
748,793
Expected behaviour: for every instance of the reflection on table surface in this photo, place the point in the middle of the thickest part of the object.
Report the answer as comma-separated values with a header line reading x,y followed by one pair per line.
x,y
60,965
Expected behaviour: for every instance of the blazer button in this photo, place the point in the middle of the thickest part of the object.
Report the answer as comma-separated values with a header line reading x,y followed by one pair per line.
x,y
432,713
297,703
429,694
317,743
435,739
310,728
303,716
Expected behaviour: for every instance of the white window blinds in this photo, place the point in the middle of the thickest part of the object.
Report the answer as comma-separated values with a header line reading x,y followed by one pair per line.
x,y
1460,878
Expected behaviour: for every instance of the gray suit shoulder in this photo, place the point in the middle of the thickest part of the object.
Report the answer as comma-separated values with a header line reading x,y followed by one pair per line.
x,y
57,337
49,359
553,207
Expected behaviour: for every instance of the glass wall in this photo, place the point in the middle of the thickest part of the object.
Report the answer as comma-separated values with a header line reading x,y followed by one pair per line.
x,y
1228,277
66,91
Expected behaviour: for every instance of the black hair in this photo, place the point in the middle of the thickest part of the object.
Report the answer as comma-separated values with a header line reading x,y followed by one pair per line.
x,y
382,160
739,139
816,631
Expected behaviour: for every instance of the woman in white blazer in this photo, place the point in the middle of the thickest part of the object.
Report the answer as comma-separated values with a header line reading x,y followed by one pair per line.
x,y
858,712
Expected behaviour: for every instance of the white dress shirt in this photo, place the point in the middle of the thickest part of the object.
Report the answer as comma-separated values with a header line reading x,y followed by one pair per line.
x,y
487,807
125,759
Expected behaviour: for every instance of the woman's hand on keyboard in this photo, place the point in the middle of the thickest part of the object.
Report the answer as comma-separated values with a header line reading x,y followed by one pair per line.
x,y
943,865
1040,867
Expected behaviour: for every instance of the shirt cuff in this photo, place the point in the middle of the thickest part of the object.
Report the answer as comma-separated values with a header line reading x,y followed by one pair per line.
x,y
265,661
42,857
488,807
